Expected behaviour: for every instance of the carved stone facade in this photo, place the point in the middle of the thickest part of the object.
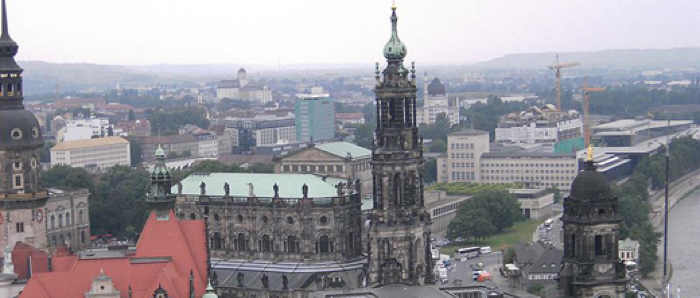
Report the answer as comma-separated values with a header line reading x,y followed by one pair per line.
x,y
591,264
67,218
291,222
400,233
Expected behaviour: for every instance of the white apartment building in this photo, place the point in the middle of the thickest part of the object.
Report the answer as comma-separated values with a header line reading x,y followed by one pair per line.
x,y
539,125
461,163
275,135
99,153
209,147
534,170
83,129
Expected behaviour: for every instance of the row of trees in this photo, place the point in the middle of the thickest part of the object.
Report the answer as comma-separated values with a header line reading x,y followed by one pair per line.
x,y
488,212
634,205
117,197
632,101
168,123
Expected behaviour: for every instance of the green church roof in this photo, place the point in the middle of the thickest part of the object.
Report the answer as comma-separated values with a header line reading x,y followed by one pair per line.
x,y
342,149
289,185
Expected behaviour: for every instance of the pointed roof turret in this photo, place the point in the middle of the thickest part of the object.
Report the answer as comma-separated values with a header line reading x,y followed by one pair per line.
x,y
8,47
210,292
394,49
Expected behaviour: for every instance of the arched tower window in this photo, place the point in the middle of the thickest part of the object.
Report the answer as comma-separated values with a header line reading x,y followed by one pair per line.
x,y
60,220
82,237
68,221
53,221
81,217
266,244
217,242
240,242
291,245
397,190
325,245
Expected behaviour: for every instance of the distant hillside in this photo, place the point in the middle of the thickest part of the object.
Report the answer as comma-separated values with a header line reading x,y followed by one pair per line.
x,y
681,57
42,77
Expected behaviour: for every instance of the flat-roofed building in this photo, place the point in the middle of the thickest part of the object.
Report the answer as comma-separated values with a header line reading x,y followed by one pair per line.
x,y
464,149
98,153
442,208
534,203
630,132
315,117
534,170
539,125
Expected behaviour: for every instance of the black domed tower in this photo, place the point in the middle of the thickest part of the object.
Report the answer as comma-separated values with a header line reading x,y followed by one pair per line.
x,y
591,265
23,199
400,232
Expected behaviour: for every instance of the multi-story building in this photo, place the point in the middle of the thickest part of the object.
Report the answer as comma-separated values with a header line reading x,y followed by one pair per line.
x,y
306,227
83,129
337,159
242,89
534,203
539,125
67,218
247,133
180,144
537,264
314,117
100,153
442,208
436,101
464,150
138,127
532,169
22,199
630,132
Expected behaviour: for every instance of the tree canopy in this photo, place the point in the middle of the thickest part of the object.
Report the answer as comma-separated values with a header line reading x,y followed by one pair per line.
x,y
488,212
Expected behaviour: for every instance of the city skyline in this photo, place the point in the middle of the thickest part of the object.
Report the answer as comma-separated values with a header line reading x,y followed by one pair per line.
x,y
321,32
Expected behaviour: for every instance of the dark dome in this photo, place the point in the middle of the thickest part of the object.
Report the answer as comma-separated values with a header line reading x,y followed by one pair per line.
x,y
19,129
436,87
590,184
241,70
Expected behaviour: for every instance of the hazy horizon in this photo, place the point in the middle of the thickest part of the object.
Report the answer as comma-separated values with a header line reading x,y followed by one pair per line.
x,y
317,32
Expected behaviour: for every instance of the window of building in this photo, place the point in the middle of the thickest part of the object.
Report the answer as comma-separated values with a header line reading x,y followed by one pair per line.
x,y
290,220
338,168
239,244
285,168
60,220
18,181
68,221
304,169
264,219
324,245
82,237
19,227
265,244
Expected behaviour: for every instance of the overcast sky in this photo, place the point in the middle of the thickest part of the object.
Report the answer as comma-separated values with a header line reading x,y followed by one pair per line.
x,y
338,31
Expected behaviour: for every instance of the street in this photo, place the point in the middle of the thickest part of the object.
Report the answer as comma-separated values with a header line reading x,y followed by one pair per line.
x,y
553,234
462,270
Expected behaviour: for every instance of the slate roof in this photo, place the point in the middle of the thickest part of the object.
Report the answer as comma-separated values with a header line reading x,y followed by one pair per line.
x,y
538,258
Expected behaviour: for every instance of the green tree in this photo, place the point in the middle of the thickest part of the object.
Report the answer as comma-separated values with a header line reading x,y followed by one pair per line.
x,y
364,135
119,203
430,171
45,151
502,208
438,146
66,176
168,123
474,223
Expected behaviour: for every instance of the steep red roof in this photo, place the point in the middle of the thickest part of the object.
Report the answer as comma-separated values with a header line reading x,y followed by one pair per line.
x,y
166,253
20,258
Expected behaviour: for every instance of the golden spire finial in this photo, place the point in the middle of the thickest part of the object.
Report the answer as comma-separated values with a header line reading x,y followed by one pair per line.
x,y
393,5
590,152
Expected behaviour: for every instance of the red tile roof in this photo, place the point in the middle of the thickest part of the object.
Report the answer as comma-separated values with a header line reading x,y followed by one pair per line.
x,y
20,257
166,253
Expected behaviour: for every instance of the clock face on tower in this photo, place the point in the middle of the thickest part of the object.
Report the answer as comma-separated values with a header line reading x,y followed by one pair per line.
x,y
39,215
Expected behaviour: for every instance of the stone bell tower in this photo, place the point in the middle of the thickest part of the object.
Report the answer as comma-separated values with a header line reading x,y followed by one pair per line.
x,y
399,234
591,266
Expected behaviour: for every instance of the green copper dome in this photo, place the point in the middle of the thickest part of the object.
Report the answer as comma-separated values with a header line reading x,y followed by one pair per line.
x,y
394,49
160,151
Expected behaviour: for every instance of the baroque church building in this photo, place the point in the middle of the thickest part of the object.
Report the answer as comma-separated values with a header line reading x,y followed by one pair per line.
x,y
399,235
591,267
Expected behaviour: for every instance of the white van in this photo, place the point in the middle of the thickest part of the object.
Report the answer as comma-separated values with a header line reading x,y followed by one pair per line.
x,y
485,250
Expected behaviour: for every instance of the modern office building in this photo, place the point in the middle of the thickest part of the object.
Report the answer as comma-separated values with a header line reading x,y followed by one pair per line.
x,y
534,203
464,150
100,154
533,170
83,129
314,117
250,133
630,132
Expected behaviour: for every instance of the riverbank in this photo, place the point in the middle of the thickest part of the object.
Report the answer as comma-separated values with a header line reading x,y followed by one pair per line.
x,y
678,190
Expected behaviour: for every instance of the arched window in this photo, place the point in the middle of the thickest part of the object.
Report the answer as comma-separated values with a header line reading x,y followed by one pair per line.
x,y
81,217
265,244
55,243
53,221
324,245
82,237
216,241
216,216
397,190
240,218
63,240
240,242
60,220
291,245
68,219
192,216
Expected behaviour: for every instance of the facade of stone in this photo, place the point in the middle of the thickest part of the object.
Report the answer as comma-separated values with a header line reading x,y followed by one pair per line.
x,y
68,220
22,200
399,236
292,222
591,265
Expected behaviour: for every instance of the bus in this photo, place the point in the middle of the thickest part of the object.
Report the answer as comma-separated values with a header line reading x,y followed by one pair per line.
x,y
548,223
468,252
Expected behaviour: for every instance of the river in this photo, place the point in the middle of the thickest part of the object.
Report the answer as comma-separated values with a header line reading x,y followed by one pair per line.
x,y
684,245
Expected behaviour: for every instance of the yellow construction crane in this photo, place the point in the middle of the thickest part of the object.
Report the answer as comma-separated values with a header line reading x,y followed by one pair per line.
x,y
586,110
558,66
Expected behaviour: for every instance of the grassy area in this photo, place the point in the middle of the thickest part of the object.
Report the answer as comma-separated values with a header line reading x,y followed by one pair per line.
x,y
519,232
467,189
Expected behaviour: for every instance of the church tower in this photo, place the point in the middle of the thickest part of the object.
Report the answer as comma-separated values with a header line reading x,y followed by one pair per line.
x,y
160,197
591,264
23,199
399,235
